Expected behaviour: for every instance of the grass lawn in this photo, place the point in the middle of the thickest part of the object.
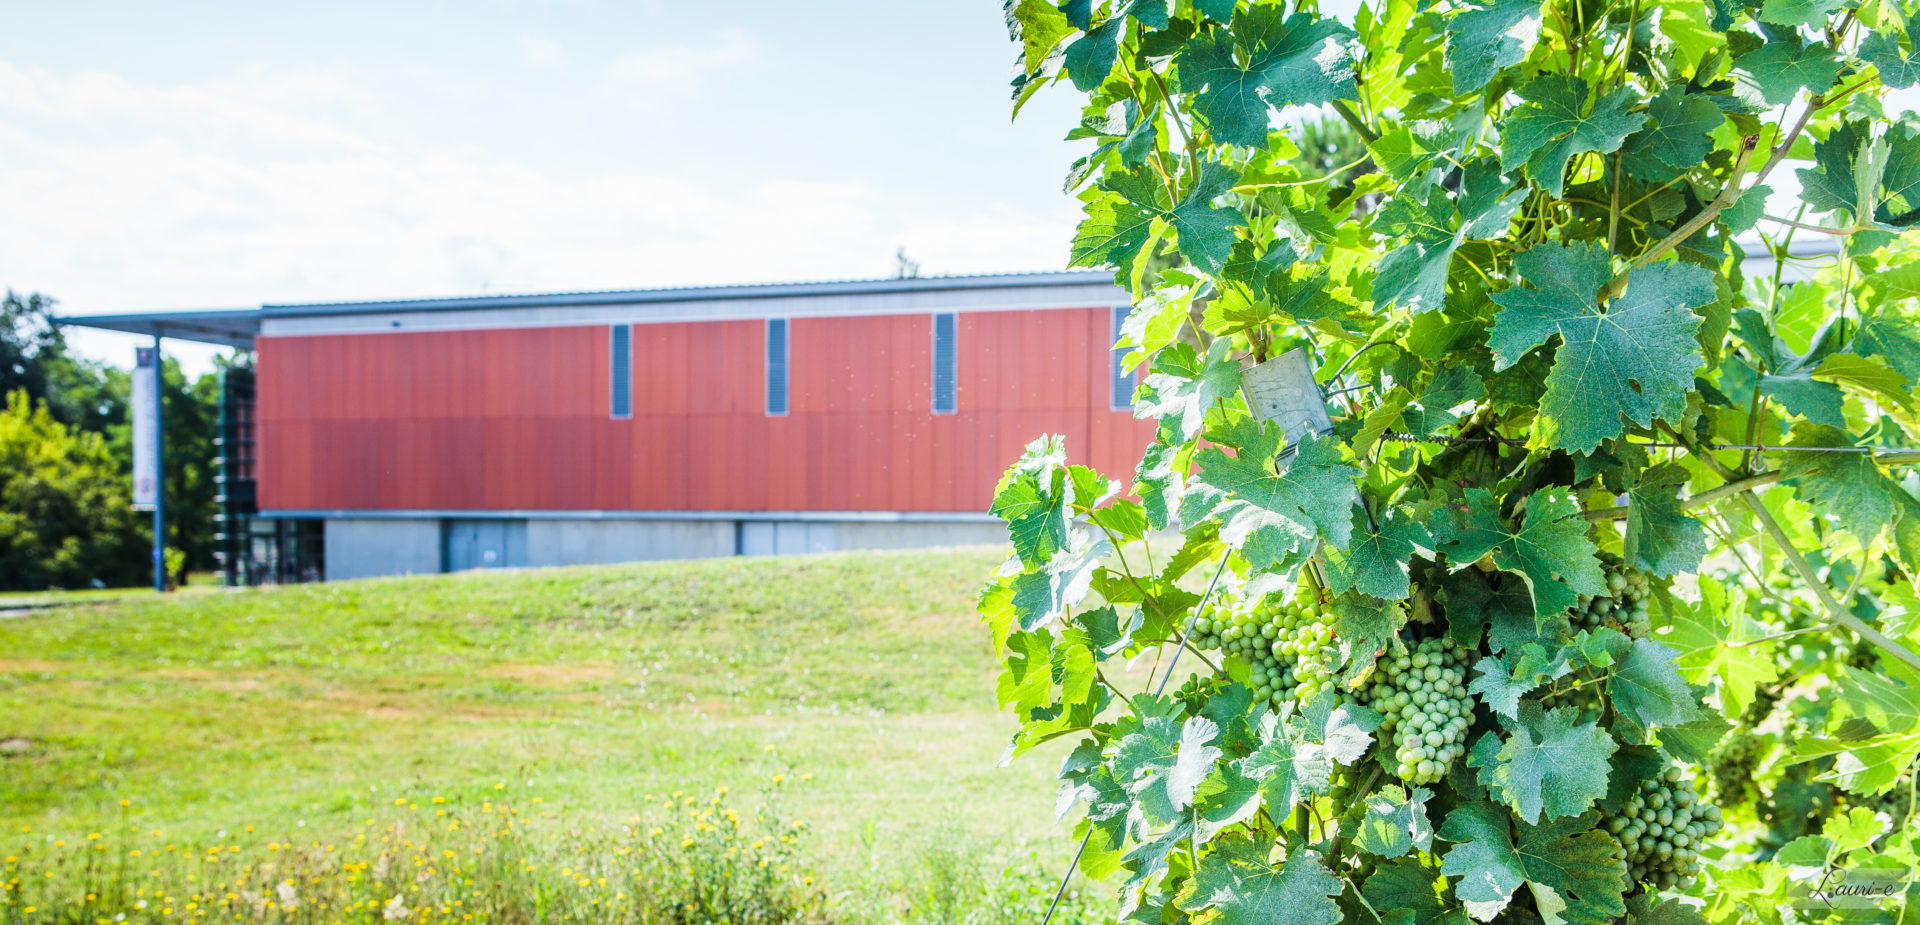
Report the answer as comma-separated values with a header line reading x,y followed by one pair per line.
x,y
866,678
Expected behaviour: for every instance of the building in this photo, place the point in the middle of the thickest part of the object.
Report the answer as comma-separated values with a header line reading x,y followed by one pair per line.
x,y
375,438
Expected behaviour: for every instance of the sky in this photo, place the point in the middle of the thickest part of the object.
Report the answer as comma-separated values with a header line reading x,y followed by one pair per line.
x,y
186,156
213,155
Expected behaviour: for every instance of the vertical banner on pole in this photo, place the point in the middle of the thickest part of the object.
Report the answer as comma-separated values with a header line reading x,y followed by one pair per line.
x,y
146,426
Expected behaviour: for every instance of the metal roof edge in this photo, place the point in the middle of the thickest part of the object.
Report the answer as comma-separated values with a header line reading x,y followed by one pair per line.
x,y
700,293
550,514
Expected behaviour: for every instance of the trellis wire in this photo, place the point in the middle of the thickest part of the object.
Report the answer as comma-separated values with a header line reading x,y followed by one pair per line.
x,y
1168,676
1411,438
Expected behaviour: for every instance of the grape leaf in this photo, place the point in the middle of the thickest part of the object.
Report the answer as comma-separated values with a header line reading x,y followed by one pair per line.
x,y
1090,58
1661,539
1290,769
1576,862
1273,510
1550,550
1874,376
1034,498
1694,742
1451,388
1849,487
1555,124
1296,754
1483,41
1038,26
1395,822
1870,178
1376,561
1409,885
1774,73
1237,881
1228,796
1799,12
1364,626
1676,138
1553,765
1072,668
1890,700
1163,764
1122,210
1634,361
1343,727
1026,676
1268,59
1043,595
1712,646
1149,858
1483,857
1183,387
1414,275
1499,688
1157,317
1567,865
1159,483
1882,50
1799,393
1647,689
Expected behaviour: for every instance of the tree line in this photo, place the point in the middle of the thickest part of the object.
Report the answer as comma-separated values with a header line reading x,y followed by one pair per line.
x,y
66,463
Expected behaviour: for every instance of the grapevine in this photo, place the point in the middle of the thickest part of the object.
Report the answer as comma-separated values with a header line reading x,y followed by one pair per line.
x,y
1587,590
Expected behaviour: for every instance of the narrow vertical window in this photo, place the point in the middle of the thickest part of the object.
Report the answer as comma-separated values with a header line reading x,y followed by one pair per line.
x,y
943,360
776,367
1122,381
622,378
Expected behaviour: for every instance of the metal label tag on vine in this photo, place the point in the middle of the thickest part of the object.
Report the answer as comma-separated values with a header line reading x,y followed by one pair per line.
x,y
1282,390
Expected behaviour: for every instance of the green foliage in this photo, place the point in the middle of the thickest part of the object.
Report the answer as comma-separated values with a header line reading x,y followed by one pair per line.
x,y
1598,495
65,514
91,397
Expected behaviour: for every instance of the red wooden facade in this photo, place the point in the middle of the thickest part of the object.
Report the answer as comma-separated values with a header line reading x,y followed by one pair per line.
x,y
519,418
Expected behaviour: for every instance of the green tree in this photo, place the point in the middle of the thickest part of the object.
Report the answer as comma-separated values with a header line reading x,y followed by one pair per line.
x,y
66,519
1598,510
93,397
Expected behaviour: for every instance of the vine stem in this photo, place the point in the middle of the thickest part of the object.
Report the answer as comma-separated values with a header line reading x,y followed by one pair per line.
x,y
1835,612
1729,195
1752,482
1770,638
1353,118
1820,590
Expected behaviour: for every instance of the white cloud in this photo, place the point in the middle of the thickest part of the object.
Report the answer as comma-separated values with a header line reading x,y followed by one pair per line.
x,y
237,192
651,78
539,51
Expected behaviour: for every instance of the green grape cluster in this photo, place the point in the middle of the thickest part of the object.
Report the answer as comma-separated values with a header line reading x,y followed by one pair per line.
x,y
1661,829
1421,696
1624,606
1193,694
1288,643
1734,762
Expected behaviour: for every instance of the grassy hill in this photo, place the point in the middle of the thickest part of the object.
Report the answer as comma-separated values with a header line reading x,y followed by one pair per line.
x,y
864,679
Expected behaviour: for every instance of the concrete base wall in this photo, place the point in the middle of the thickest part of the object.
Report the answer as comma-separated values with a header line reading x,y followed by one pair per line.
x,y
365,548
904,535
369,547
589,542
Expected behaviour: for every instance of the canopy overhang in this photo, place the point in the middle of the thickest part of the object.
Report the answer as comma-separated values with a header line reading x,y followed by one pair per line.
x,y
232,327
